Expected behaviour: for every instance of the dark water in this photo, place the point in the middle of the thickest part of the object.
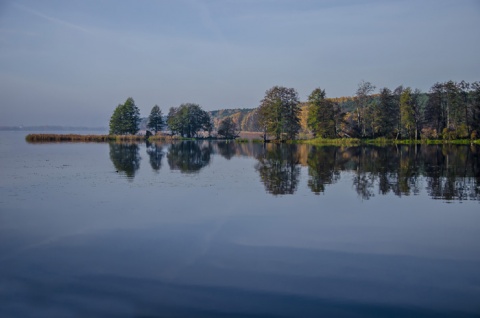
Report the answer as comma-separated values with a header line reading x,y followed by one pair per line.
x,y
238,230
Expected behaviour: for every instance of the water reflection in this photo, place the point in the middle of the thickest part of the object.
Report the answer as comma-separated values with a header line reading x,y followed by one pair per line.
x,y
155,153
189,156
227,149
125,157
321,168
278,168
448,172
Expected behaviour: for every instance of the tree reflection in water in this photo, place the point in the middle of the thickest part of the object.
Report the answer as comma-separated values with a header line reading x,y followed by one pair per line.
x,y
155,153
279,169
321,168
227,149
449,172
189,156
125,158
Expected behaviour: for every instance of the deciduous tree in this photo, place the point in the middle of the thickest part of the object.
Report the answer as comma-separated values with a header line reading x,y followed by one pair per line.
x,y
321,114
279,113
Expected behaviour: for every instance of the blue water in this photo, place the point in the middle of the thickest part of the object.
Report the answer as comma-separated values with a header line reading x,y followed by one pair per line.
x,y
237,230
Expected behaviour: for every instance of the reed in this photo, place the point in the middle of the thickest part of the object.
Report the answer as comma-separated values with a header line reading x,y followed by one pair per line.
x,y
39,138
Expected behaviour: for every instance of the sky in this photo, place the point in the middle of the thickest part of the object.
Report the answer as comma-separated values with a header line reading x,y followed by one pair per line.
x,y
72,62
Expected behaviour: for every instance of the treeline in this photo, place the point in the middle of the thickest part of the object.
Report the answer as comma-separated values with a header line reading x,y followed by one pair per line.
x,y
450,110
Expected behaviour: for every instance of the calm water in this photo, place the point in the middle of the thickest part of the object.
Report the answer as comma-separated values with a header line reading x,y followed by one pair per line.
x,y
238,230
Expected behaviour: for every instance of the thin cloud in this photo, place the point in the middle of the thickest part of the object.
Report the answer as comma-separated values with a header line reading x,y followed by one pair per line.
x,y
52,19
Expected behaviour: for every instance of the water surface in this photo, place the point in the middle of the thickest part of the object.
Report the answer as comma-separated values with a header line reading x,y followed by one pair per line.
x,y
213,229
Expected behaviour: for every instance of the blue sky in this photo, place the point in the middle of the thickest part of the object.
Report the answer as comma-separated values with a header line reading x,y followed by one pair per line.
x,y
72,62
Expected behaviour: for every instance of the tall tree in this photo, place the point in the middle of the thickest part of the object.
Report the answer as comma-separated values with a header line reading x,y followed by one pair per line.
x,y
125,118
155,120
321,114
385,114
363,102
279,112
475,102
407,119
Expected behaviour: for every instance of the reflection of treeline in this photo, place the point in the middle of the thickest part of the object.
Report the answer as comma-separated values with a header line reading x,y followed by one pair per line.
x,y
450,172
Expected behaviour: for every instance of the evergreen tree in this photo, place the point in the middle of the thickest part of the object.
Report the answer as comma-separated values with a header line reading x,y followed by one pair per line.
x,y
385,114
125,119
155,120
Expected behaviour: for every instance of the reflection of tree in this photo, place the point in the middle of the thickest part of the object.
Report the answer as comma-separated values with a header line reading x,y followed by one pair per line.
x,y
278,168
322,168
453,172
155,152
125,157
226,149
189,156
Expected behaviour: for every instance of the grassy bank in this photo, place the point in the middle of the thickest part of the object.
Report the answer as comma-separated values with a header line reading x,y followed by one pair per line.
x,y
383,141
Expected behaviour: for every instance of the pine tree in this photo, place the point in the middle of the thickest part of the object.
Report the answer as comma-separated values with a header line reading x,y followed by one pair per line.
x,y
155,120
125,119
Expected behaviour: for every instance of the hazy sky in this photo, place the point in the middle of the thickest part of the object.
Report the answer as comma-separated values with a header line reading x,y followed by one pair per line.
x,y
72,62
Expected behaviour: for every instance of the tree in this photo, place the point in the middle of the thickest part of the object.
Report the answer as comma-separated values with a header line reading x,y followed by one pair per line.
x,y
362,101
385,114
321,114
155,120
407,120
188,120
279,113
227,128
125,119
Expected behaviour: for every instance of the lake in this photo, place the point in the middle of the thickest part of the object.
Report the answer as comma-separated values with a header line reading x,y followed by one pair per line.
x,y
224,229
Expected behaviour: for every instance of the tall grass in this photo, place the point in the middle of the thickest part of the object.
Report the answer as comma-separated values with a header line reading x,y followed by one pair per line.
x,y
38,138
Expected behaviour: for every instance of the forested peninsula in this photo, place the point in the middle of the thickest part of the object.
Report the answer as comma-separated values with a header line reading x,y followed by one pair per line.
x,y
448,112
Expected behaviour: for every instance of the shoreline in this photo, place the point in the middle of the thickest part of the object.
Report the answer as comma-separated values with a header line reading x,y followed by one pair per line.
x,y
46,138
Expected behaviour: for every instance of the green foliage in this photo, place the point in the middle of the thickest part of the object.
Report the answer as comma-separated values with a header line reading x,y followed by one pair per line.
x,y
279,113
321,114
125,119
155,120
188,120
228,128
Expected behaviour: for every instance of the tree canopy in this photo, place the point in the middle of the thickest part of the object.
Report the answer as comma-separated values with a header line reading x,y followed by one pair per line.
x,y
279,113
125,119
321,114
188,120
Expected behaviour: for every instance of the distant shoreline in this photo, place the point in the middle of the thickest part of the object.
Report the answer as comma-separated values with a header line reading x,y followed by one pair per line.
x,y
51,128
